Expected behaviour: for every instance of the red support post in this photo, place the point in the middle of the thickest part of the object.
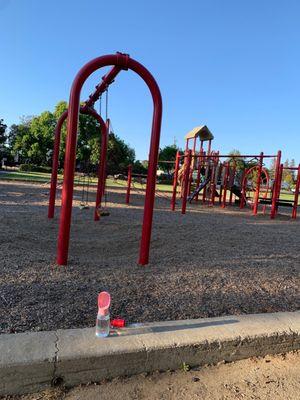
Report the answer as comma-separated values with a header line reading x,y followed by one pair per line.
x,y
204,189
209,147
258,180
226,175
275,186
175,179
233,172
221,184
199,172
201,146
55,162
243,199
129,178
296,197
124,62
187,144
279,186
188,160
194,145
213,182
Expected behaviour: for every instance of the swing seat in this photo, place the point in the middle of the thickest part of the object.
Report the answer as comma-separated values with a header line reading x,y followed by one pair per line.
x,y
103,212
84,207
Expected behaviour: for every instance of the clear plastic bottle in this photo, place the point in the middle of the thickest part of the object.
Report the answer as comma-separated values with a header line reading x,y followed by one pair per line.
x,y
102,325
103,317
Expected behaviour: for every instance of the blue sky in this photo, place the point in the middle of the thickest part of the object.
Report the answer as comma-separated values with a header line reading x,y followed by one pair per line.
x,y
232,65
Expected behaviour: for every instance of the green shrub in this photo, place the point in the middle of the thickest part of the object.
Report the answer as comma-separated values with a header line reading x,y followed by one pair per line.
x,y
34,168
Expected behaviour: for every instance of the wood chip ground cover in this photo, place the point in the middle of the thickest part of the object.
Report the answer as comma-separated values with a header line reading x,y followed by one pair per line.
x,y
210,262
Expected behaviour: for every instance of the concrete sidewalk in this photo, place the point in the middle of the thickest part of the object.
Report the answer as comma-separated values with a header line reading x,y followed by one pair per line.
x,y
32,361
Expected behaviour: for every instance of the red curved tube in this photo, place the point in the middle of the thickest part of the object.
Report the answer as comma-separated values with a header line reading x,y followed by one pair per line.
x,y
124,62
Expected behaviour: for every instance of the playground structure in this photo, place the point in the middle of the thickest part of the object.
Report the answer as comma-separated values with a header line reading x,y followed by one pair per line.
x,y
223,177
120,62
206,176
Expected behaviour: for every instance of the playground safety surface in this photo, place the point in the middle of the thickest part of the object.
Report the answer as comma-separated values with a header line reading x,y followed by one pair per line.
x,y
208,263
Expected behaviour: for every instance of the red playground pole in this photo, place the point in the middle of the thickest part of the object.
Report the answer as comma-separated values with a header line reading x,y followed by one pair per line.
x,y
207,170
175,179
226,175
209,147
199,158
188,160
259,171
101,172
279,186
129,178
231,182
221,169
243,200
55,162
213,181
297,188
124,62
275,186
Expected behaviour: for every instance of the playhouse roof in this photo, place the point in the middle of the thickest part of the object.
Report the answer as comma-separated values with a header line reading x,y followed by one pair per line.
x,y
200,131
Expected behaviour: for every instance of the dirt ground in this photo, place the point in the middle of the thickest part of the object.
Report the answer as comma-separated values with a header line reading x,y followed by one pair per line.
x,y
272,377
210,262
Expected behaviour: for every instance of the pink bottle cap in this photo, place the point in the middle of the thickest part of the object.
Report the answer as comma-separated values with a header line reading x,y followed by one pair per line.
x,y
103,303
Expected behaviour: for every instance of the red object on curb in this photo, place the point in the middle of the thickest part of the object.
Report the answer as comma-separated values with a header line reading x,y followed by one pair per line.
x,y
117,323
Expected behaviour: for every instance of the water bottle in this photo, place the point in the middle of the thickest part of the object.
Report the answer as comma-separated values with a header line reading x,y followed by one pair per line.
x,y
102,325
103,317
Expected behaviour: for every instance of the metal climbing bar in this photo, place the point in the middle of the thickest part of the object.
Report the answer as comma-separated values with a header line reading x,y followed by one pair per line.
x,y
276,189
175,179
188,161
258,180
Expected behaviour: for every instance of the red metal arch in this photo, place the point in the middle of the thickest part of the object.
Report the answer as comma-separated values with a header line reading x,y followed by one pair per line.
x,y
266,182
123,62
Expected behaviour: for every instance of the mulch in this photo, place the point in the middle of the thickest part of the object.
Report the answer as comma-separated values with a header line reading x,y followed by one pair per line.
x,y
208,263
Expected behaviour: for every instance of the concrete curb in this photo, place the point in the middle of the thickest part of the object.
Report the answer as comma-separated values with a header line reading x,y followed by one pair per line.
x,y
31,361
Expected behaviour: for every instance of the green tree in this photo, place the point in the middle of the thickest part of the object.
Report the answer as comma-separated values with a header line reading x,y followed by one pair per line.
x,y
3,137
20,140
33,139
287,175
119,155
168,153
59,109
139,168
293,165
238,161
88,141
42,130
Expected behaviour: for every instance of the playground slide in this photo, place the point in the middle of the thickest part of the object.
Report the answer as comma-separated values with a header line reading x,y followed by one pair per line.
x,y
236,191
198,189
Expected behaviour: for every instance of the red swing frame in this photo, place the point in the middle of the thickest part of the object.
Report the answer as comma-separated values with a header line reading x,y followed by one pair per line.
x,y
119,62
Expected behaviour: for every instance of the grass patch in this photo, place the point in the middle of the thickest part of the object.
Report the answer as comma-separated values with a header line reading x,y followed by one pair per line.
x,y
44,177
